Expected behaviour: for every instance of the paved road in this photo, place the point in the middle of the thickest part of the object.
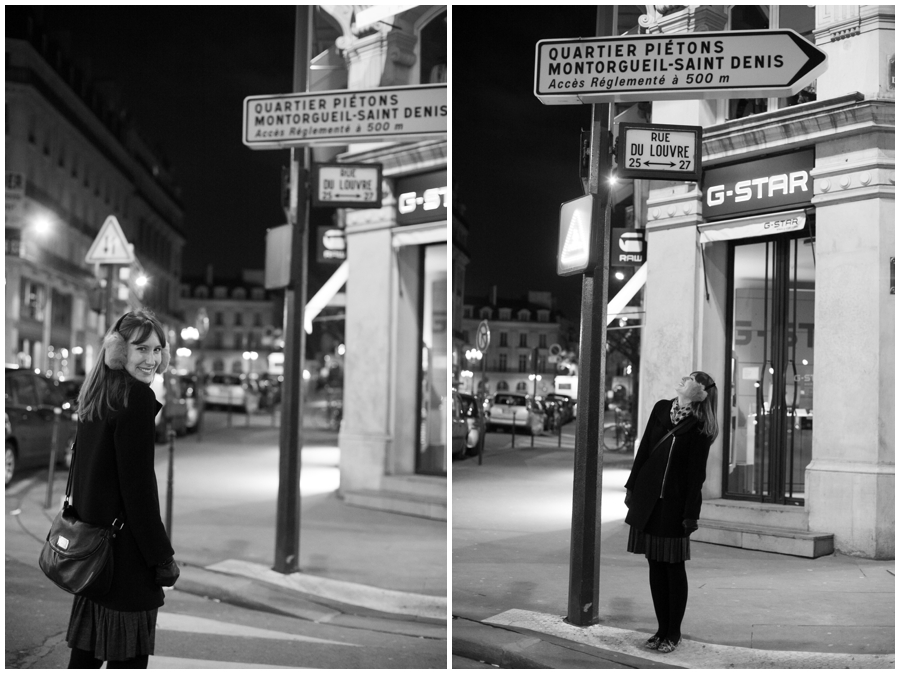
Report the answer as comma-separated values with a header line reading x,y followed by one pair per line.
x,y
234,499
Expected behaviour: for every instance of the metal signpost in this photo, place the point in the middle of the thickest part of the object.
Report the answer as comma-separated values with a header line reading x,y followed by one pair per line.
x,y
299,121
482,342
600,71
110,248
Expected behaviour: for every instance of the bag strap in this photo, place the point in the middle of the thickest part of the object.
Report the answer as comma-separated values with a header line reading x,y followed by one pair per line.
x,y
684,423
118,523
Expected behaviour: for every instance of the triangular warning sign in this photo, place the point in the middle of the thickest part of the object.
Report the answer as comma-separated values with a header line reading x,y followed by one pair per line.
x,y
575,250
110,246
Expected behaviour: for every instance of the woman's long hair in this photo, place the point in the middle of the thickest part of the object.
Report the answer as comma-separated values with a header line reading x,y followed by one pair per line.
x,y
705,410
106,388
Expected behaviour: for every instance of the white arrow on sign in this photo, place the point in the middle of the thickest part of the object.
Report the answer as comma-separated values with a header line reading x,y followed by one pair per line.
x,y
110,246
728,64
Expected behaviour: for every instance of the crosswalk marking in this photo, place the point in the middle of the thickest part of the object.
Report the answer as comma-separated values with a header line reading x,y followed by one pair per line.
x,y
160,662
176,622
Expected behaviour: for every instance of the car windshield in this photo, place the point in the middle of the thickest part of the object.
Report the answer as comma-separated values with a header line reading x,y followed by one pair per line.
x,y
509,400
226,379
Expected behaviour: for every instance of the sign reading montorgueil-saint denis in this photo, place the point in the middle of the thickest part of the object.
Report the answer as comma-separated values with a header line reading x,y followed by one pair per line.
x,y
347,185
345,116
659,151
728,64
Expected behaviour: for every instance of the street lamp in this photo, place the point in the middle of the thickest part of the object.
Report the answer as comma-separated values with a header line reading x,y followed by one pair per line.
x,y
535,378
250,356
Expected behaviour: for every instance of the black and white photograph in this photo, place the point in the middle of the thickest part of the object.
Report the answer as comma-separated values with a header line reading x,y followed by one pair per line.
x,y
226,336
673,318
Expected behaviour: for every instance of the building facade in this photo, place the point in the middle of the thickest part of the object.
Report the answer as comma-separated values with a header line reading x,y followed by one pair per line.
x,y
774,274
527,337
233,320
393,437
71,163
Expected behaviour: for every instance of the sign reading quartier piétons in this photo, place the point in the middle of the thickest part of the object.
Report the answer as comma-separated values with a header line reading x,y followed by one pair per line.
x,y
763,63
345,116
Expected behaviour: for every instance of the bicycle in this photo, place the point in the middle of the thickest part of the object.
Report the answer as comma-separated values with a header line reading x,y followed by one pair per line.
x,y
618,435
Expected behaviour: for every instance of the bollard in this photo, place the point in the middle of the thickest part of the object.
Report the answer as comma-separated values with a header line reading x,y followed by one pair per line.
x,y
532,429
247,409
229,408
169,484
559,433
514,431
54,440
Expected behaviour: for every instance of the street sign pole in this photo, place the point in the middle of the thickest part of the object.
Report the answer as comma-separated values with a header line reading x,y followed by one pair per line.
x,y
584,555
287,518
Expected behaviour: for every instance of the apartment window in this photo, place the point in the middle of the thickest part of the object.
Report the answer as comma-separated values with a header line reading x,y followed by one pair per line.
x,y
523,339
504,339
524,315
523,362
238,318
433,50
502,364
220,318
505,314
542,341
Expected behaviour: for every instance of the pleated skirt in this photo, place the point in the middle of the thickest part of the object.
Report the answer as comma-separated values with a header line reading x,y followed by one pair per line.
x,y
659,548
109,634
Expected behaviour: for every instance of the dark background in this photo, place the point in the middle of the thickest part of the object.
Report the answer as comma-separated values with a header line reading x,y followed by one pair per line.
x,y
515,160
182,74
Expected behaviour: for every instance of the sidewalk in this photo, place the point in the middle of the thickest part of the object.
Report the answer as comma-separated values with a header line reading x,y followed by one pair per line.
x,y
746,609
356,564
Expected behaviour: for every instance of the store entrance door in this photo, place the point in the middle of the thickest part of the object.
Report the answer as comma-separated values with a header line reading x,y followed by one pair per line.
x,y
771,378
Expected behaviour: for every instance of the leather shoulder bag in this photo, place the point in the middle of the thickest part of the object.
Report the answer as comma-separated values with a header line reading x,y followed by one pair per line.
x,y
77,556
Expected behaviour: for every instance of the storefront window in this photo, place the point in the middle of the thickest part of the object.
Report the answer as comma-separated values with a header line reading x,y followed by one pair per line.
x,y
772,369
432,455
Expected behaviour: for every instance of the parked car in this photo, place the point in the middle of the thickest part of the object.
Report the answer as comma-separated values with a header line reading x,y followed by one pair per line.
x,y
173,415
508,409
474,415
565,404
459,429
232,390
32,401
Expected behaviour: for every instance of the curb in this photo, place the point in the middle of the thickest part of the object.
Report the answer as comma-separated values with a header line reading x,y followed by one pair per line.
x,y
624,647
510,648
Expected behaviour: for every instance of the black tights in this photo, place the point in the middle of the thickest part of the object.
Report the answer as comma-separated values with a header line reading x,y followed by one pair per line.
x,y
669,588
85,660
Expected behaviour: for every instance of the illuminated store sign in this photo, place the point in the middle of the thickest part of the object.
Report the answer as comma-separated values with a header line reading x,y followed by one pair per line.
x,y
769,184
422,198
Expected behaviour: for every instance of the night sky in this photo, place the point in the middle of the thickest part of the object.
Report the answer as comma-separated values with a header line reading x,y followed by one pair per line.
x,y
515,160
183,73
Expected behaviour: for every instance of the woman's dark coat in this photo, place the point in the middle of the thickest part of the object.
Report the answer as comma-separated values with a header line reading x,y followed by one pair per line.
x,y
113,473
680,462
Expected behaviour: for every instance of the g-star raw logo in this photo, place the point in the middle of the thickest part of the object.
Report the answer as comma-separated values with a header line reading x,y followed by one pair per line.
x,y
785,183
631,242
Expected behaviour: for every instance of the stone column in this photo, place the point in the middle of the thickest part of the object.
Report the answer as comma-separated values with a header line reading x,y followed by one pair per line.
x,y
683,330
365,433
850,481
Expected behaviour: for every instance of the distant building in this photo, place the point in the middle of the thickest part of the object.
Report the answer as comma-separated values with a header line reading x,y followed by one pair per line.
x,y
519,330
73,160
241,316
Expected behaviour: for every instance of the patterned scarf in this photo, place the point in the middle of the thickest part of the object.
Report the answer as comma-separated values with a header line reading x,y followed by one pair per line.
x,y
677,413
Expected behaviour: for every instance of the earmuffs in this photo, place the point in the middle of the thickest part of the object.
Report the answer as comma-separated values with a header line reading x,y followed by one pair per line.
x,y
694,391
116,352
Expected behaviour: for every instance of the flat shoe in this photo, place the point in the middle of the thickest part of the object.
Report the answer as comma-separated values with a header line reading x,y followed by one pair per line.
x,y
667,645
652,643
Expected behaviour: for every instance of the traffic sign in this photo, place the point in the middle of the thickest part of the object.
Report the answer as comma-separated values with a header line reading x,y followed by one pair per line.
x,y
659,151
574,254
347,185
727,64
110,246
345,116
483,337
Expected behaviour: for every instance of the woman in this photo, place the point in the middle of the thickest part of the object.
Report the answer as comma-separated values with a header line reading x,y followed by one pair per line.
x,y
114,478
663,497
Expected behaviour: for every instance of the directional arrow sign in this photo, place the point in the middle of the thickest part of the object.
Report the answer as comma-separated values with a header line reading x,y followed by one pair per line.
x,y
659,151
110,246
730,64
347,185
